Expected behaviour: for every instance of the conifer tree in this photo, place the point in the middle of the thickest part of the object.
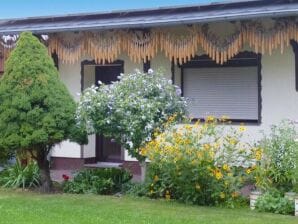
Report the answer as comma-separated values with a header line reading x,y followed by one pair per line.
x,y
36,109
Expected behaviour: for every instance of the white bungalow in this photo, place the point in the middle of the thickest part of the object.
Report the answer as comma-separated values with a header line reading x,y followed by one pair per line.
x,y
235,58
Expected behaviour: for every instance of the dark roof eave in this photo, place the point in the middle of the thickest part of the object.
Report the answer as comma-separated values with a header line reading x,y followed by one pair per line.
x,y
153,22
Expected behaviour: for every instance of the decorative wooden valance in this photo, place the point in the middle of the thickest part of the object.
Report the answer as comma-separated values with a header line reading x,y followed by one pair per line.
x,y
179,47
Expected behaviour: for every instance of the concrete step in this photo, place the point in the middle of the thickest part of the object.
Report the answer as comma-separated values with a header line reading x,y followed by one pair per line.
x,y
103,165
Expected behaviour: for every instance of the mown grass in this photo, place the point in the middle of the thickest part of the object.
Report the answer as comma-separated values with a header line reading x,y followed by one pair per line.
x,y
32,208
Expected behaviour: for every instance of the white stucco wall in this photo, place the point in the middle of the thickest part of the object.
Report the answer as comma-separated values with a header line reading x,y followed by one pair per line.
x,y
89,80
279,96
160,62
129,65
70,75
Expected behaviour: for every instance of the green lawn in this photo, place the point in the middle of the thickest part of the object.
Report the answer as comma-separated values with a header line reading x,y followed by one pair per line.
x,y
22,208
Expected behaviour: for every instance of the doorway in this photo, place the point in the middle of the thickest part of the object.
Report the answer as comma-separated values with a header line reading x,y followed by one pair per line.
x,y
106,149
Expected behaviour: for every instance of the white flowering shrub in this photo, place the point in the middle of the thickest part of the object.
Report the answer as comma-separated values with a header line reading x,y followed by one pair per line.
x,y
131,109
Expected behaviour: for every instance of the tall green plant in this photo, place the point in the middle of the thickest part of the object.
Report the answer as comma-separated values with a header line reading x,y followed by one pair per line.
x,y
36,109
278,167
18,175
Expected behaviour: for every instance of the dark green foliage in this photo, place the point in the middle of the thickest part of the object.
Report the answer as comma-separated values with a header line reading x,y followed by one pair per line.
x,y
97,181
278,169
36,109
274,202
135,189
17,176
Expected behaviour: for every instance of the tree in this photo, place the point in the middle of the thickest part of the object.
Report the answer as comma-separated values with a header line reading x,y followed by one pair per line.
x,y
36,109
131,109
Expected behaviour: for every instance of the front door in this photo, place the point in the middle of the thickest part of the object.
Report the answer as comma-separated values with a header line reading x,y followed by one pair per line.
x,y
107,150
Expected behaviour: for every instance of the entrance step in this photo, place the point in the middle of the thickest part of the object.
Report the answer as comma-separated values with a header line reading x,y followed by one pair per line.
x,y
104,165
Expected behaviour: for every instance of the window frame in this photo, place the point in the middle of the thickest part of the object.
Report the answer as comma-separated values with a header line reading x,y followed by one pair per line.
x,y
243,59
295,50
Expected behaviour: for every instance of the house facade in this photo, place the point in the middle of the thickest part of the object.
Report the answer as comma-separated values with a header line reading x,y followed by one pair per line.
x,y
237,59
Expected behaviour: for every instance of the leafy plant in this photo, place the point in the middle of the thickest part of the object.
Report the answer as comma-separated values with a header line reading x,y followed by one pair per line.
x,y
135,189
97,181
131,109
278,167
203,164
274,202
36,109
18,175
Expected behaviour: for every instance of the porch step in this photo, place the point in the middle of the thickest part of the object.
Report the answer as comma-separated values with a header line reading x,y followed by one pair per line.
x,y
103,165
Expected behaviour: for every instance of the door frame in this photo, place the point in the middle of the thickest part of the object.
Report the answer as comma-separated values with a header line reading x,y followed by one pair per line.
x,y
93,63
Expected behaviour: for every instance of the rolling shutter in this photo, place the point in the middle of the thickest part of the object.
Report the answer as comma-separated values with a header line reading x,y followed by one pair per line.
x,y
230,91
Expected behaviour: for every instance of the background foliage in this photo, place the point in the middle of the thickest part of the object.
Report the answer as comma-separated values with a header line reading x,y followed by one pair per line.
x,y
275,202
20,176
97,181
278,168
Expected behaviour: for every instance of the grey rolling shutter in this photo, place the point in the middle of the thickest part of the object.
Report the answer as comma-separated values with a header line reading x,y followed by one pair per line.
x,y
230,91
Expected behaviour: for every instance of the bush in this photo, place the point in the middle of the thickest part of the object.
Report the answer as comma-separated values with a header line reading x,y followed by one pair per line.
x,y
203,164
131,109
278,167
275,202
135,189
97,181
18,175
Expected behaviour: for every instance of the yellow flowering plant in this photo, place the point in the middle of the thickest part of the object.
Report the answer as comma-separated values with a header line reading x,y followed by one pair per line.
x,y
202,163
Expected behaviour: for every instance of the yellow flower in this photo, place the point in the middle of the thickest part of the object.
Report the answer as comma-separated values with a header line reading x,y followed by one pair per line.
x,y
226,167
155,178
248,171
235,194
168,195
211,154
199,155
258,155
230,174
188,127
210,119
216,145
232,141
242,128
206,146
218,175
222,195
198,187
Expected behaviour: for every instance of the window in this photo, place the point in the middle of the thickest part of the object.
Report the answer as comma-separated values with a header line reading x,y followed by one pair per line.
x,y
232,89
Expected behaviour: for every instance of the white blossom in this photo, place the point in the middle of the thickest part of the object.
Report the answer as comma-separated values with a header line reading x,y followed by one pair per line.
x,y
150,71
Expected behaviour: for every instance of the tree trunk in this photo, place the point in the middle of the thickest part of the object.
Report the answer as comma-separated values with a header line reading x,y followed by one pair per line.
x,y
143,171
45,178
